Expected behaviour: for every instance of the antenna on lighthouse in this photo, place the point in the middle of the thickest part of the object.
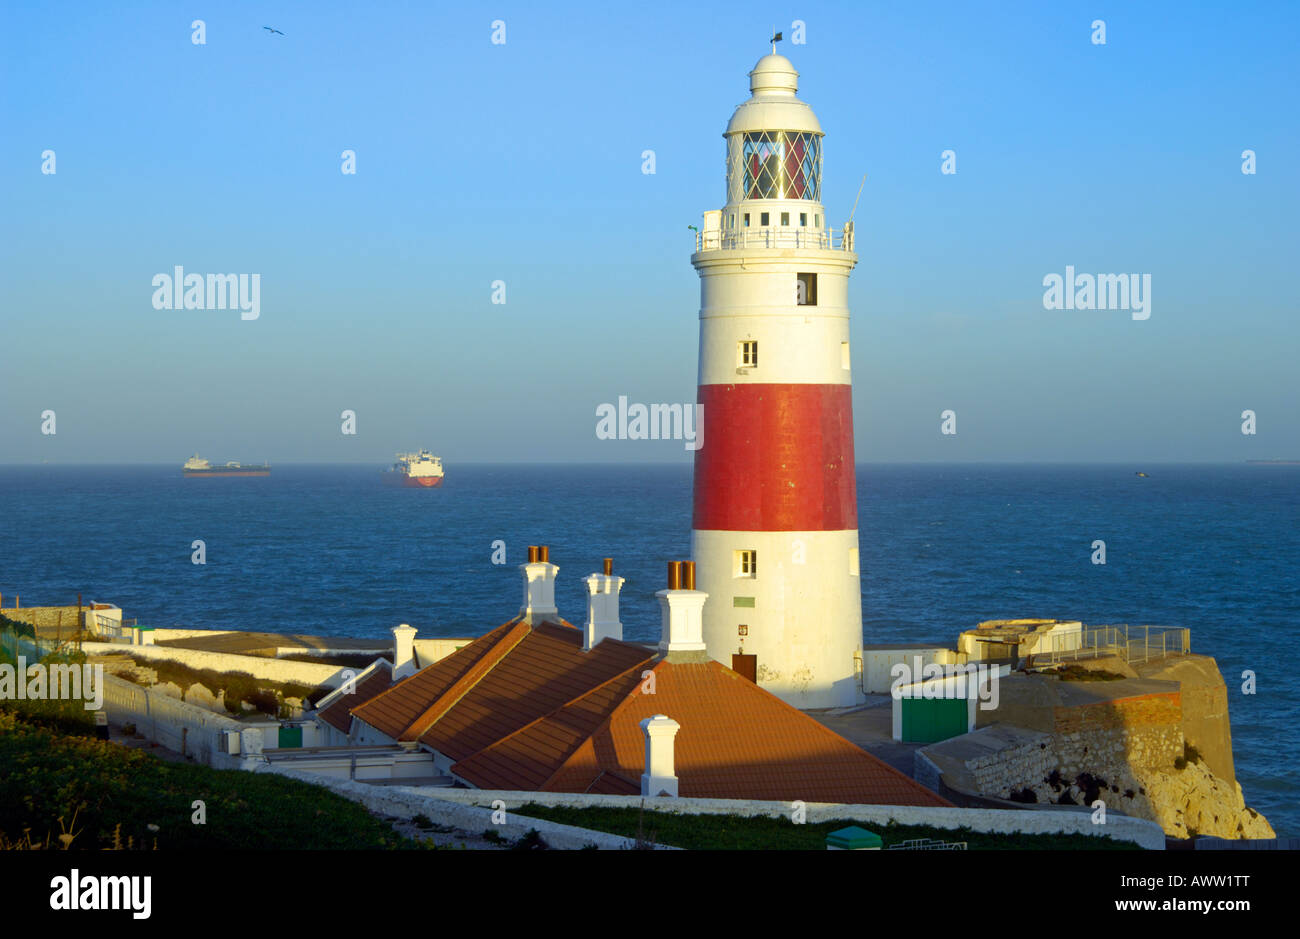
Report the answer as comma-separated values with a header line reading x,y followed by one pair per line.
x,y
855,201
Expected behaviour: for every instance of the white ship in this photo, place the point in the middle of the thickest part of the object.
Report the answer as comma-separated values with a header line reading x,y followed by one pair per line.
x,y
421,469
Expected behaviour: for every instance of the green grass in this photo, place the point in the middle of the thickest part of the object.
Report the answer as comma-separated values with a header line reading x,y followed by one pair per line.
x,y
736,833
47,775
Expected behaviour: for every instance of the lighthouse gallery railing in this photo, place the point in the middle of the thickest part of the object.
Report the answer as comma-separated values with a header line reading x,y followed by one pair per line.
x,y
775,237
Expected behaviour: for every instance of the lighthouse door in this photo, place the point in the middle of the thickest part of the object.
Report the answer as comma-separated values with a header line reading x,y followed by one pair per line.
x,y
746,666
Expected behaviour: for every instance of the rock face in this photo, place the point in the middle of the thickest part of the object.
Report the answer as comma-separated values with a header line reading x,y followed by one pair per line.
x,y
200,696
1157,746
1193,801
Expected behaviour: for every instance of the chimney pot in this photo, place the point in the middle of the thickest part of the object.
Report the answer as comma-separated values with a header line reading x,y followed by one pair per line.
x,y
609,566
544,553
659,776
532,554
688,575
674,575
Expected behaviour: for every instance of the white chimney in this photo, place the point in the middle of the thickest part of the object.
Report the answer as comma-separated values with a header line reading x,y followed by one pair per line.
x,y
539,585
403,650
682,608
602,607
658,778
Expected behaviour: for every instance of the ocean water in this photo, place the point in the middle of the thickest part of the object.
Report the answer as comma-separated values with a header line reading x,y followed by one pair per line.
x,y
328,550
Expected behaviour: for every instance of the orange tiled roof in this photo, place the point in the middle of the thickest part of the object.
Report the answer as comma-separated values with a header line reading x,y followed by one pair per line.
x,y
397,708
543,672
736,741
523,707
338,712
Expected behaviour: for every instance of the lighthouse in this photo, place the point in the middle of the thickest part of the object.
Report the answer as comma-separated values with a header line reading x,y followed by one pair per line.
x,y
775,528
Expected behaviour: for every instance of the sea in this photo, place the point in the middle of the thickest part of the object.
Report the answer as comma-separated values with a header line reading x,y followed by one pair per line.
x,y
328,550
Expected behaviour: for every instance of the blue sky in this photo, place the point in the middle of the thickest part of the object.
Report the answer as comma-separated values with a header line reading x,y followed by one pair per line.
x,y
522,162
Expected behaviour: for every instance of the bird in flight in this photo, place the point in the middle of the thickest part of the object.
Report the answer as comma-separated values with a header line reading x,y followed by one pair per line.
x,y
275,31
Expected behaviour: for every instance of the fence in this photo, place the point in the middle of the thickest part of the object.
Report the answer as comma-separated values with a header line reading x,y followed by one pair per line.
x,y
1133,644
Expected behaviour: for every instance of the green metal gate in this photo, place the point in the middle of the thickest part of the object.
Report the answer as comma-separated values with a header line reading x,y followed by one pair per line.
x,y
929,720
290,737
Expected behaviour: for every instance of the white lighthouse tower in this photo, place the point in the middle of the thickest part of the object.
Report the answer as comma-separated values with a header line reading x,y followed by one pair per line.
x,y
775,531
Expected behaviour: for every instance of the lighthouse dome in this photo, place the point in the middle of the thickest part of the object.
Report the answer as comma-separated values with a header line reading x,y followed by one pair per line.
x,y
773,105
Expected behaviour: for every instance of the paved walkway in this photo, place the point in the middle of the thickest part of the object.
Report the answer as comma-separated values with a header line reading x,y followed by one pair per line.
x,y
871,728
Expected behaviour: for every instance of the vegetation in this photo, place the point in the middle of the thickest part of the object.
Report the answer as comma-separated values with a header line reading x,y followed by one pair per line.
x,y
731,832
105,795
68,716
266,696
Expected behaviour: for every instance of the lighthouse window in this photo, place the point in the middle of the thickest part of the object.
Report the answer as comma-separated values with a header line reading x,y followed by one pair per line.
x,y
746,563
746,219
785,218
763,219
805,289
749,353
803,219
774,164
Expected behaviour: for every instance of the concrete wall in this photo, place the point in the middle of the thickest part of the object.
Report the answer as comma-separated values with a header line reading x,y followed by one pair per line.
x,y
407,802
428,651
877,662
174,724
275,670
1139,831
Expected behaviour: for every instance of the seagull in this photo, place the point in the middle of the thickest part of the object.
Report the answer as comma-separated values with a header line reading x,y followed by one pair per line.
x,y
275,31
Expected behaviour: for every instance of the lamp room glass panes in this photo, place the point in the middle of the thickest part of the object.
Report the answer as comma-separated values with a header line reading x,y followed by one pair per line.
x,y
774,164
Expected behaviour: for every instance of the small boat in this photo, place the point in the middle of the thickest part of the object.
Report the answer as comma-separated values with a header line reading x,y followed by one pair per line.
x,y
1143,475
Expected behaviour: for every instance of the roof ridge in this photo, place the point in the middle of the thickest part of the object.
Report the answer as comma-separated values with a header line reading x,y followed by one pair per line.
x,y
596,730
356,679
472,676
418,672
549,714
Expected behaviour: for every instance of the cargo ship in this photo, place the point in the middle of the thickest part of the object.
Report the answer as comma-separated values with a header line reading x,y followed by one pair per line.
x,y
422,470
197,466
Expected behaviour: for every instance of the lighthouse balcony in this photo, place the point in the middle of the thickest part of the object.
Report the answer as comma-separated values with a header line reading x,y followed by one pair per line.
x,y
826,239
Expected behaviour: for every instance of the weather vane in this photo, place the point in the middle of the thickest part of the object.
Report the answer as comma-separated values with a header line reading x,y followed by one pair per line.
x,y
776,37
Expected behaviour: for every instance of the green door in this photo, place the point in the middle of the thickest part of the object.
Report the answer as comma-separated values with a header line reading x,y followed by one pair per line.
x,y
929,720
290,737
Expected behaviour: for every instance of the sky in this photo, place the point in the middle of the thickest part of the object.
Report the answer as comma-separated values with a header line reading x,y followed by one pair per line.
x,y
522,162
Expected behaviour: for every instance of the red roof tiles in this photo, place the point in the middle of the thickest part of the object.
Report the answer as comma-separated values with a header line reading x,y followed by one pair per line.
x,y
524,707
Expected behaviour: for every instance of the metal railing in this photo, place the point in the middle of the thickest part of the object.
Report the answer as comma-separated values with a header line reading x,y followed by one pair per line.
x,y
1133,644
926,844
782,236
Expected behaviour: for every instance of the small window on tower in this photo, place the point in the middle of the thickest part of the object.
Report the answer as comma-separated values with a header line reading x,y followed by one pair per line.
x,y
853,562
805,289
803,219
764,219
746,219
749,353
747,564
844,355
817,220
785,218
731,220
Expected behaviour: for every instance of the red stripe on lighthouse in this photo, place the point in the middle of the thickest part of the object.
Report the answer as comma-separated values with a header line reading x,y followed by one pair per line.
x,y
776,458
